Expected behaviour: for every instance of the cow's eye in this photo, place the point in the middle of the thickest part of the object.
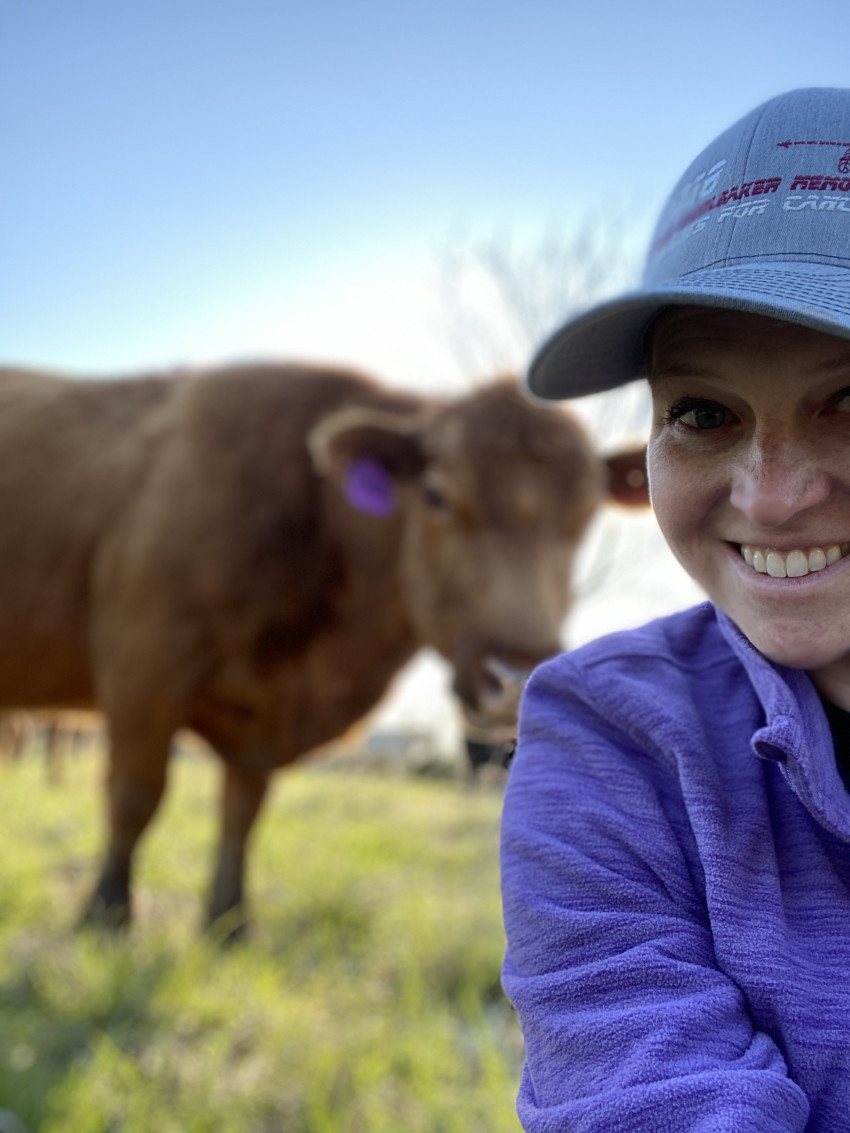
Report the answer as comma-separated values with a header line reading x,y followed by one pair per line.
x,y
434,498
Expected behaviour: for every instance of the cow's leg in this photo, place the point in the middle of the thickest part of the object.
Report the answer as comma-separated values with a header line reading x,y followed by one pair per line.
x,y
135,785
52,753
242,797
8,738
21,737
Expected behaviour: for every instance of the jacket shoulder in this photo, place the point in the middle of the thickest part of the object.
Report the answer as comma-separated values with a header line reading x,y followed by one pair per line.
x,y
672,674
689,639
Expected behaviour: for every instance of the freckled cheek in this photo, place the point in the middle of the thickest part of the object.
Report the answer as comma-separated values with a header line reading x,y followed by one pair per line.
x,y
678,492
664,480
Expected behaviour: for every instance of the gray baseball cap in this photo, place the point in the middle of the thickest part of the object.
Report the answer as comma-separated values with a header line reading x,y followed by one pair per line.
x,y
760,222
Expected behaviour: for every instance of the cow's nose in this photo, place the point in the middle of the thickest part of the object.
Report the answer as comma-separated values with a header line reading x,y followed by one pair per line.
x,y
502,686
491,698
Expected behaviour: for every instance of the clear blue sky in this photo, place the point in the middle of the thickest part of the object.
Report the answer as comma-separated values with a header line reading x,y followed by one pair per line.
x,y
192,179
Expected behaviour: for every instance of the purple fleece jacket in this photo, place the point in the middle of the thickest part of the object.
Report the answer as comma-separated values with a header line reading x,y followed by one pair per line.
x,y
676,888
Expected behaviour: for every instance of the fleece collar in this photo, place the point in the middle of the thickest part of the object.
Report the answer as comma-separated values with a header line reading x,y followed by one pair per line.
x,y
795,734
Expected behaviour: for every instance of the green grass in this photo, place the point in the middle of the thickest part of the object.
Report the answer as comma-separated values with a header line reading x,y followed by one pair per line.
x,y
366,999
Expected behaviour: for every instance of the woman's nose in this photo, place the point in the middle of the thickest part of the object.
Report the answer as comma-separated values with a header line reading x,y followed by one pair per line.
x,y
776,481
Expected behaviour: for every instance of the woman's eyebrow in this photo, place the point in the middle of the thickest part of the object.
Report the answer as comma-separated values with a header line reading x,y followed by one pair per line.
x,y
838,362
674,369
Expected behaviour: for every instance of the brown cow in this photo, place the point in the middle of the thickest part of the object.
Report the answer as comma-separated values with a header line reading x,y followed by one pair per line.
x,y
253,552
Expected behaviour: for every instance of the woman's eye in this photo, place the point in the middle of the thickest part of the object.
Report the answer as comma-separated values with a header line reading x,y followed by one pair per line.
x,y
842,401
700,415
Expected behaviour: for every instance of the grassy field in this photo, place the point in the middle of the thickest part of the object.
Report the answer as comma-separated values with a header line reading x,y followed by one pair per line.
x,y
367,998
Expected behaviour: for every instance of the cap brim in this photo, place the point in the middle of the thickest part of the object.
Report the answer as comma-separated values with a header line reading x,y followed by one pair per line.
x,y
603,348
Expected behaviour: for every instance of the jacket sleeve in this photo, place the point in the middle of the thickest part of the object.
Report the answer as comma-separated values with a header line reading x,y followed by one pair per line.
x,y
629,1025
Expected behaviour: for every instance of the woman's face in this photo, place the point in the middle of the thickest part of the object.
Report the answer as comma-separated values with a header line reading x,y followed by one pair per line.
x,y
749,469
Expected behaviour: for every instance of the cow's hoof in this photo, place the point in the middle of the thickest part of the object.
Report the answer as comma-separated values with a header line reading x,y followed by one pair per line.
x,y
112,917
229,929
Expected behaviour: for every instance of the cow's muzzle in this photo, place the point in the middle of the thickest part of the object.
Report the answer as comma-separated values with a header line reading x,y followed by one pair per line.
x,y
490,693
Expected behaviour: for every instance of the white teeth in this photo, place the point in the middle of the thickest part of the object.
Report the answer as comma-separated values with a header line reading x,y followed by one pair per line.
x,y
794,564
817,559
776,565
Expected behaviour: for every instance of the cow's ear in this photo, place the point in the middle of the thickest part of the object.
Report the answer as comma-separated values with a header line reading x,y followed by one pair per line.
x,y
366,451
627,480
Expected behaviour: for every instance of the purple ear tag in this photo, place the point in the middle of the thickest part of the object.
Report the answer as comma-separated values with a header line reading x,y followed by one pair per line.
x,y
369,488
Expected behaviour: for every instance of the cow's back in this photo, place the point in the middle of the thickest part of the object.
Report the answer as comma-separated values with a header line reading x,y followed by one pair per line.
x,y
71,454
189,504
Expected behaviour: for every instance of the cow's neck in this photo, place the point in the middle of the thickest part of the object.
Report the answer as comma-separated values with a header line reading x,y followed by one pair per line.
x,y
312,692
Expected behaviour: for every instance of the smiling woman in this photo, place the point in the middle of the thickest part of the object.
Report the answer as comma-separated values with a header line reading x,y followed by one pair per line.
x,y
751,477
676,831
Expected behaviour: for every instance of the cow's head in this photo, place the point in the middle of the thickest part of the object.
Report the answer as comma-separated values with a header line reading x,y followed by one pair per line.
x,y
494,495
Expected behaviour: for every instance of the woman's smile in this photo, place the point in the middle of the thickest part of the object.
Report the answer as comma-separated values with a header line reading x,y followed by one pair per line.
x,y
793,564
